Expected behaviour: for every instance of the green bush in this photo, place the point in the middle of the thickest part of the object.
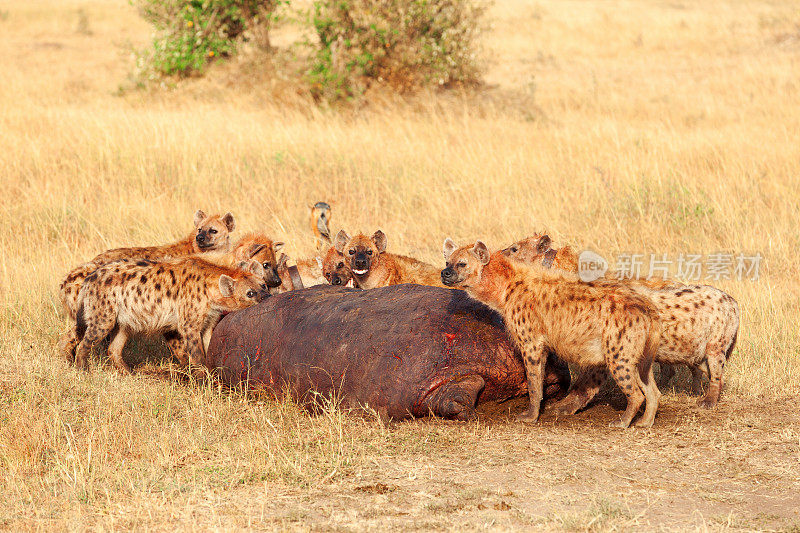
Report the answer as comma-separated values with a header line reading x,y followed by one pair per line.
x,y
406,44
192,33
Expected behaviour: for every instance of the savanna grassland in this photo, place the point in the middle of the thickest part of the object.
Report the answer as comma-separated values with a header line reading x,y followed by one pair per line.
x,y
622,126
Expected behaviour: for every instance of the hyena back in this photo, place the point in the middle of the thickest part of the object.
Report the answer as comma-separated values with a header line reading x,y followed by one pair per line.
x,y
589,326
211,233
182,299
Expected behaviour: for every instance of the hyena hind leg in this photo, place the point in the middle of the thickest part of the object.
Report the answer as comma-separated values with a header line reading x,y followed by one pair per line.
x,y
651,395
91,338
627,377
586,387
67,344
697,378
115,349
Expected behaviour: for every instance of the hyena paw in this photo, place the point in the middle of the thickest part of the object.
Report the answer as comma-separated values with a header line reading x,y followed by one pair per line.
x,y
565,407
618,424
528,416
706,402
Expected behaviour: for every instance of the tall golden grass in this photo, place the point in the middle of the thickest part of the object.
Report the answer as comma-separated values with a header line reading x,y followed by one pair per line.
x,y
620,126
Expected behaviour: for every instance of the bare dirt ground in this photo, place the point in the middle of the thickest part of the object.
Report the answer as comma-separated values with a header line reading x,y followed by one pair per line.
x,y
735,467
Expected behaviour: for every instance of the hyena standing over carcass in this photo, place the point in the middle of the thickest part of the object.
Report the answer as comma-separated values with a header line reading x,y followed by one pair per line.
x,y
584,324
181,298
211,233
699,327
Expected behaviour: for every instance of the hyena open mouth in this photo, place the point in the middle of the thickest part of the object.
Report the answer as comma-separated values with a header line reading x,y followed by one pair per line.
x,y
360,272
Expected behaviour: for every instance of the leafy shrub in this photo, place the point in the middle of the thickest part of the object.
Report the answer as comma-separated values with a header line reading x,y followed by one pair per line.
x,y
406,44
192,33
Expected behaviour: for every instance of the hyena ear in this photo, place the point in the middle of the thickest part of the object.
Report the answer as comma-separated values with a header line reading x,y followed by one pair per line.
x,y
199,217
254,249
255,268
319,262
543,244
282,261
229,222
226,284
448,248
277,246
379,238
342,238
481,252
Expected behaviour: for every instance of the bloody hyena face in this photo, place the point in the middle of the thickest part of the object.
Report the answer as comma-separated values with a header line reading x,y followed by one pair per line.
x,y
243,291
264,253
463,265
360,252
212,232
334,268
529,249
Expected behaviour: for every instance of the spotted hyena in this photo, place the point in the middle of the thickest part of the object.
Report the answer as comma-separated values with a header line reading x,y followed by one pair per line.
x,y
211,233
587,324
252,247
699,324
180,298
320,225
372,266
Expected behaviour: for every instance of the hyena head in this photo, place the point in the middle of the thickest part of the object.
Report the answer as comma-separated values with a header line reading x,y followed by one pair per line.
x,y
360,252
335,269
212,232
465,264
321,220
264,252
242,291
529,249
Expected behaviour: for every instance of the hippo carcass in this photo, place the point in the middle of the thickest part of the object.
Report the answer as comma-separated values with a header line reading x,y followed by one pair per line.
x,y
404,350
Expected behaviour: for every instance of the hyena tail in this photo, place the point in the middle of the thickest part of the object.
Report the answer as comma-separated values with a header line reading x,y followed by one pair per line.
x,y
80,323
734,325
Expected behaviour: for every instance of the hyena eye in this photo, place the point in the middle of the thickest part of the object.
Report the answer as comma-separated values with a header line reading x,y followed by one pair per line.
x,y
461,265
251,293
267,266
369,252
212,231
340,265
514,249
352,252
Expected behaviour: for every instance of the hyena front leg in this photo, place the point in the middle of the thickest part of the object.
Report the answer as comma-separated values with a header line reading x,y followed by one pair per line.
x,y
177,347
115,349
194,349
586,387
716,364
534,356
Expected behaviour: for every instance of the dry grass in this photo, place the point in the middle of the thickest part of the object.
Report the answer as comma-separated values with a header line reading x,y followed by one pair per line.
x,y
623,126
